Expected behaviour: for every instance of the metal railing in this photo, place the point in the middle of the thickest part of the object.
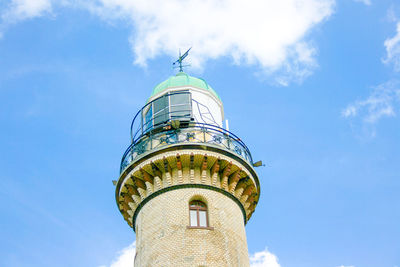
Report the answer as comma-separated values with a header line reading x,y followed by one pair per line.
x,y
194,133
187,122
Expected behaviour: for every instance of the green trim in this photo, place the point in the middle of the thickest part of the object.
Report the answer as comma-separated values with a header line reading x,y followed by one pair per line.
x,y
182,79
175,187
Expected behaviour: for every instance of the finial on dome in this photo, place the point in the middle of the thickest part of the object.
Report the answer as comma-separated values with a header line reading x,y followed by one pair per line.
x,y
180,59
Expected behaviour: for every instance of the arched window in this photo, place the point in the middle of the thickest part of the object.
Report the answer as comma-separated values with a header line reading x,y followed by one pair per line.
x,y
198,214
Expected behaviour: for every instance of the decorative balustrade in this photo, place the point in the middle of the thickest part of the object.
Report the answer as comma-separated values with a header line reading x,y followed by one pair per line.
x,y
194,133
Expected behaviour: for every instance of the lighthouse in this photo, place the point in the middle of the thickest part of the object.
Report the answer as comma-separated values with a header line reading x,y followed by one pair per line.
x,y
187,185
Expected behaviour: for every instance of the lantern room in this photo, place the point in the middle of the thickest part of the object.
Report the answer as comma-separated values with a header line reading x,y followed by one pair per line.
x,y
182,99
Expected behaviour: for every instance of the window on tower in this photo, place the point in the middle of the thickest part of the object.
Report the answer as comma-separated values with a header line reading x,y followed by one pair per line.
x,y
198,214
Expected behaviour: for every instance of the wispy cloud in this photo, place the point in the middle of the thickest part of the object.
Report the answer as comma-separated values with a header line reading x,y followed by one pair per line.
x,y
125,258
19,10
271,35
366,2
382,102
392,46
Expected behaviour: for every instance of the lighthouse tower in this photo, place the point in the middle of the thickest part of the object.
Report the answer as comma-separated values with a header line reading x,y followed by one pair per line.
x,y
187,185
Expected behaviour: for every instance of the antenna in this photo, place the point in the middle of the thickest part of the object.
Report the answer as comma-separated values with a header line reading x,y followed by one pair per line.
x,y
180,59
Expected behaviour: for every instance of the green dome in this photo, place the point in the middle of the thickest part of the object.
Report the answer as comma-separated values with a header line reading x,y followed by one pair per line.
x,y
182,79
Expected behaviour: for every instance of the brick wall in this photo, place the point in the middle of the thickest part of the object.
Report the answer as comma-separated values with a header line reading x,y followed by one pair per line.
x,y
163,239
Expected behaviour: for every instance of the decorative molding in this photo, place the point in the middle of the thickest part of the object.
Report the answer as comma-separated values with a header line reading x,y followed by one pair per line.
x,y
186,167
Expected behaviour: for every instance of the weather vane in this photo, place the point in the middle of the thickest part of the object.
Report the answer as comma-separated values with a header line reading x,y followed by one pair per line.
x,y
180,59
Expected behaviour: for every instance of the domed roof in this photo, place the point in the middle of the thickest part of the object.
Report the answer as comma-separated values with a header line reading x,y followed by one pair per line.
x,y
182,79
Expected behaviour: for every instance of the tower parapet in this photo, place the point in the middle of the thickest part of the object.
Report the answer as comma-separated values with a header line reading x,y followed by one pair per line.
x,y
187,180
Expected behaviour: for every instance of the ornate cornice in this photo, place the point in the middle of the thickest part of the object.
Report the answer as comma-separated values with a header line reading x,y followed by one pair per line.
x,y
168,170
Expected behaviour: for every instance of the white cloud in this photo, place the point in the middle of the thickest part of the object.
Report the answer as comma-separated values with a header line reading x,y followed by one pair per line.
x,y
272,35
346,266
18,10
392,46
269,34
383,102
366,2
264,259
125,257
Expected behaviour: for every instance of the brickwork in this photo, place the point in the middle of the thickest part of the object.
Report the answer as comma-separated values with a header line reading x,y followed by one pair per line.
x,y
163,239
154,197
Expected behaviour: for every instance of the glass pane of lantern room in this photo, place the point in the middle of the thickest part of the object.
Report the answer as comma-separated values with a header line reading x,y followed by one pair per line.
x,y
203,218
148,119
193,218
161,110
181,105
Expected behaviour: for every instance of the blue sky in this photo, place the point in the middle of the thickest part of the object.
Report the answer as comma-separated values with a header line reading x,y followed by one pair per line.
x,y
312,87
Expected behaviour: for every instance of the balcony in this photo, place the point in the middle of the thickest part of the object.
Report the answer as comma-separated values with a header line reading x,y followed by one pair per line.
x,y
190,124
